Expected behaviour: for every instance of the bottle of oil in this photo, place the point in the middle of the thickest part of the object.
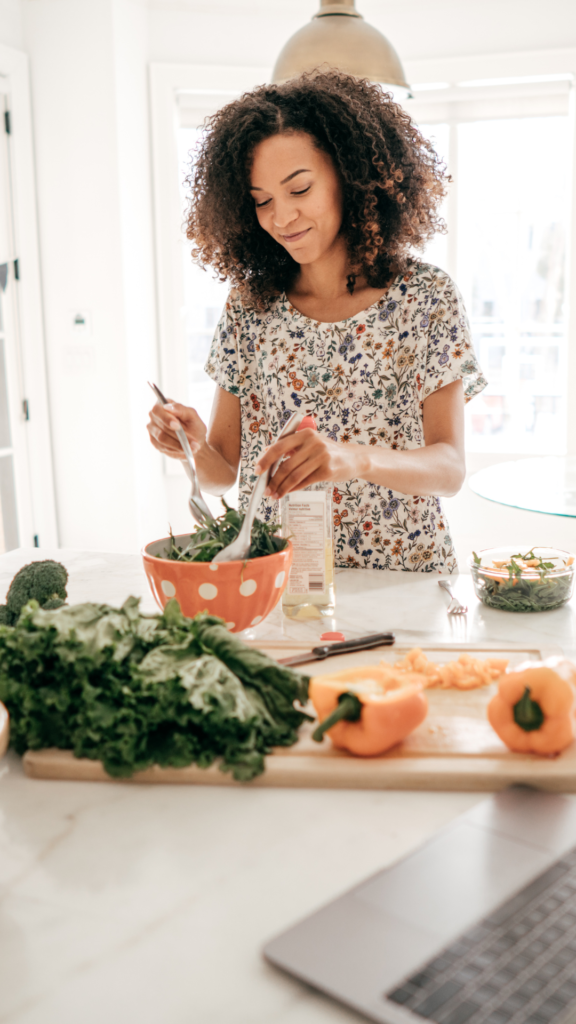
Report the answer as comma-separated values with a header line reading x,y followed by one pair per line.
x,y
307,520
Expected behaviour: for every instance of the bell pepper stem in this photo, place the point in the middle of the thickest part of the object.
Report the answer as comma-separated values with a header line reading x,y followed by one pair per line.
x,y
528,713
349,709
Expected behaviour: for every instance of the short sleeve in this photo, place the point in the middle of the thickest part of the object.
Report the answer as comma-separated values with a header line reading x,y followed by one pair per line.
x,y
223,363
450,353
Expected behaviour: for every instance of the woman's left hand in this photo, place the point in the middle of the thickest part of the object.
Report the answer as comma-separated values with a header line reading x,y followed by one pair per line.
x,y
309,458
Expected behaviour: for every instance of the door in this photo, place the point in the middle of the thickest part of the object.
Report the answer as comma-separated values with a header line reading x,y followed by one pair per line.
x,y
16,521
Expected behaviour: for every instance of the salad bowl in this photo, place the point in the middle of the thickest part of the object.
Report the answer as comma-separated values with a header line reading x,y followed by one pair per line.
x,y
242,593
523,580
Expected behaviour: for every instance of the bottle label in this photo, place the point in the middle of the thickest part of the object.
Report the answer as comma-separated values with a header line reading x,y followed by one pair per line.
x,y
305,524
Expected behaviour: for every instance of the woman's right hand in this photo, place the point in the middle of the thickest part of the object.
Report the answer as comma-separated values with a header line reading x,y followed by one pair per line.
x,y
165,421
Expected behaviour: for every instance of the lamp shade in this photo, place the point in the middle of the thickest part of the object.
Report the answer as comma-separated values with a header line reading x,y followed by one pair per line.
x,y
338,37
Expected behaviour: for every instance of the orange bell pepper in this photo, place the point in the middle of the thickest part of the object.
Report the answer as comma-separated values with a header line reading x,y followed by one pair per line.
x,y
363,713
534,710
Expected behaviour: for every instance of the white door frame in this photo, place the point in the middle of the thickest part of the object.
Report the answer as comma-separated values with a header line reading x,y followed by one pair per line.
x,y
40,519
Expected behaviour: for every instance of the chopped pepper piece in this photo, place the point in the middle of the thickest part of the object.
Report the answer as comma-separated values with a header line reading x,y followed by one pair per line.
x,y
534,710
363,713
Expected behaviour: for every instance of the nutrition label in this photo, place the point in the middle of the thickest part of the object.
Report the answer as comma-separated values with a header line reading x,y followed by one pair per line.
x,y
305,524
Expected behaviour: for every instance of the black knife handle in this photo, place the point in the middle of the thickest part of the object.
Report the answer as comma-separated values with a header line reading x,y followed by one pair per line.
x,y
363,643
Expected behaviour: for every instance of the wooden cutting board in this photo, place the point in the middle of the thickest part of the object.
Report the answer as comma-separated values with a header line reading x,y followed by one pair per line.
x,y
454,749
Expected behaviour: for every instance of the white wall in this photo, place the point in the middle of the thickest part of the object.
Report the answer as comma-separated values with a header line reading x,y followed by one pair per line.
x,y
130,32
11,27
88,68
88,65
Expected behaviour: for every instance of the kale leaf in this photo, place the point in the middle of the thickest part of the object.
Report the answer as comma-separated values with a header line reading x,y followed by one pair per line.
x,y
135,690
271,686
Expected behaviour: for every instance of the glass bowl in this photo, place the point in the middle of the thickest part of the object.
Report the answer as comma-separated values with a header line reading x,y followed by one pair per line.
x,y
503,580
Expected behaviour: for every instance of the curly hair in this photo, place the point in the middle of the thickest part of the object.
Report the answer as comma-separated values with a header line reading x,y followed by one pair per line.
x,y
391,178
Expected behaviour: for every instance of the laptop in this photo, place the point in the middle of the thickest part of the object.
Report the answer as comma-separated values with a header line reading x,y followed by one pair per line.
x,y
477,926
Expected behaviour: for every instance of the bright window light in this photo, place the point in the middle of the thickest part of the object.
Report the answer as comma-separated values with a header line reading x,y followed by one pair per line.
x,y
511,241
204,299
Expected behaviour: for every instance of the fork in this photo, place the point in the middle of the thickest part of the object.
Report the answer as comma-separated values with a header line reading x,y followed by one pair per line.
x,y
239,549
455,607
198,507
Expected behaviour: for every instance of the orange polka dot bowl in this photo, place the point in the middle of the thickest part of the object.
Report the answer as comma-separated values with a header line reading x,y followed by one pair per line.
x,y
241,593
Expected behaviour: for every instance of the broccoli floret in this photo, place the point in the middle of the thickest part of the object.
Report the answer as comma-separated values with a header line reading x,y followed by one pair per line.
x,y
41,581
5,616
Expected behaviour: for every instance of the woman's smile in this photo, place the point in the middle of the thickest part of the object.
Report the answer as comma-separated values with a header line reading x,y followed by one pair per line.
x,y
290,239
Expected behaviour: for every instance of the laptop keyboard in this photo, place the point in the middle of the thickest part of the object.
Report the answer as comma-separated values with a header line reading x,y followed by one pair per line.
x,y
517,966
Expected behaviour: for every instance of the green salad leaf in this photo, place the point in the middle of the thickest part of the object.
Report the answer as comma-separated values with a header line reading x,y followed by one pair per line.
x,y
533,595
525,590
135,690
207,541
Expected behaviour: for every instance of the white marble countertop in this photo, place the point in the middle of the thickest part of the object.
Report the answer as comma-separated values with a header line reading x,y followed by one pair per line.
x,y
151,904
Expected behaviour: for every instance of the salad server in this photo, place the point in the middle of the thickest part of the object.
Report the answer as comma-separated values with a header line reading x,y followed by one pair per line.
x,y
239,549
198,507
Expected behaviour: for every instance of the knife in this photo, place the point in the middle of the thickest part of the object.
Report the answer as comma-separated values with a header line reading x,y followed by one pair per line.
x,y
363,643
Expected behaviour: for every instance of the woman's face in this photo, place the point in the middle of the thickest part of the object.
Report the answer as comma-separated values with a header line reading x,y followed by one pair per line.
x,y
297,195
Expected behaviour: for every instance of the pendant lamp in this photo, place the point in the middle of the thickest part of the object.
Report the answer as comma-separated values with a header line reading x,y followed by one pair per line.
x,y
338,37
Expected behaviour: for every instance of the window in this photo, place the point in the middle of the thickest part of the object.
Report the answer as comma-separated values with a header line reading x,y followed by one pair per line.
x,y
507,147
190,300
204,294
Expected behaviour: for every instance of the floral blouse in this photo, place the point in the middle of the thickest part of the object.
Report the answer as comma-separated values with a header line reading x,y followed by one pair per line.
x,y
364,379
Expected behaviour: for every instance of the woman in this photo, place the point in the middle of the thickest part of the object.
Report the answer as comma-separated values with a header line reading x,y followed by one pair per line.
x,y
308,198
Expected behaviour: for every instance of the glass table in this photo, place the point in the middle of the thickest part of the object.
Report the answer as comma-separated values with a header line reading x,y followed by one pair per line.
x,y
546,484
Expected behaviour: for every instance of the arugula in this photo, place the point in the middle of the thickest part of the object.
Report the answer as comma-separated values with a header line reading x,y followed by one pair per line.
x,y
134,690
527,595
532,590
207,541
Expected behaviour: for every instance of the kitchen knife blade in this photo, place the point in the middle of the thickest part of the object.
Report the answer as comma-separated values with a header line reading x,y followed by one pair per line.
x,y
362,643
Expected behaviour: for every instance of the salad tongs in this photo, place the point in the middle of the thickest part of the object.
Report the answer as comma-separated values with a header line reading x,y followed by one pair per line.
x,y
198,507
239,549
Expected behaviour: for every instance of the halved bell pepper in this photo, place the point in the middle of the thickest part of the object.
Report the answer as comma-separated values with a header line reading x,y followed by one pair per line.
x,y
363,713
534,710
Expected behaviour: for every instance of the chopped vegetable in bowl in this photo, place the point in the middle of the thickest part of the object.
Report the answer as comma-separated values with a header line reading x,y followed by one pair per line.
x,y
536,580
207,541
